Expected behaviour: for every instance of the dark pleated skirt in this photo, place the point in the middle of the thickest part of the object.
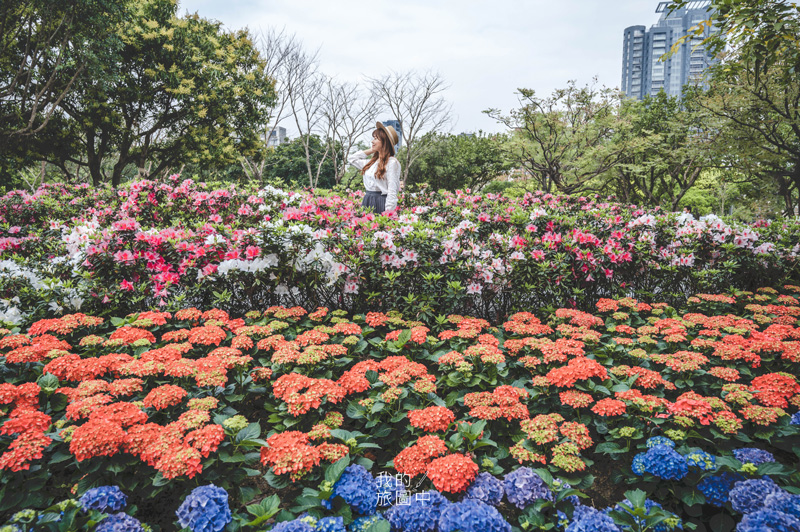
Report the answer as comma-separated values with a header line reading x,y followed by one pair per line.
x,y
374,200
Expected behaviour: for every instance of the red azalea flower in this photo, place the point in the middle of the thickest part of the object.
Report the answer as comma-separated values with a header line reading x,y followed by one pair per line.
x,y
414,460
164,396
431,419
131,334
452,473
207,335
185,461
609,407
27,447
125,414
577,369
206,439
100,437
289,452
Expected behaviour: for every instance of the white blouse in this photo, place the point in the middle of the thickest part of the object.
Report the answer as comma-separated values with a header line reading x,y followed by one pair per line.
x,y
388,186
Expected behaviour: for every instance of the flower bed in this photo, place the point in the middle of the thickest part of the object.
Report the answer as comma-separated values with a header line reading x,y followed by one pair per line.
x,y
173,244
681,417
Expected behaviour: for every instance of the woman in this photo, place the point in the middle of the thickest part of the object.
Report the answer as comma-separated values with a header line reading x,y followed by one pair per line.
x,y
381,172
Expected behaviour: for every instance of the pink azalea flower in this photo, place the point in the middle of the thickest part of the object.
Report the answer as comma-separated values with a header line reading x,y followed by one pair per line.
x,y
410,255
252,252
124,256
350,287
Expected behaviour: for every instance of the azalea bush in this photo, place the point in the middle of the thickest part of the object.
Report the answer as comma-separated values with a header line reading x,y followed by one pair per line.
x,y
630,416
174,244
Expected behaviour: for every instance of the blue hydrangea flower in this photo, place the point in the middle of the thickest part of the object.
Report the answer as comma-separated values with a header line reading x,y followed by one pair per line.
x,y
717,488
638,464
588,519
486,488
563,520
297,525
559,486
771,520
330,524
205,509
664,462
361,524
659,440
751,455
748,495
390,490
120,522
795,418
701,460
783,501
104,499
357,488
471,515
523,486
664,526
421,514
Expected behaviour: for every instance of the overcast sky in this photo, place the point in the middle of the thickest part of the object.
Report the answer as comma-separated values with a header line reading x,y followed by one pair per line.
x,y
485,50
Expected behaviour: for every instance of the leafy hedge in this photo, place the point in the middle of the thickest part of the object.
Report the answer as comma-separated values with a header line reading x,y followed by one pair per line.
x,y
176,243
678,405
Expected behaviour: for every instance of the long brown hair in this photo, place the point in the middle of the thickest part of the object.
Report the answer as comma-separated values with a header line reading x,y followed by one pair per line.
x,y
381,156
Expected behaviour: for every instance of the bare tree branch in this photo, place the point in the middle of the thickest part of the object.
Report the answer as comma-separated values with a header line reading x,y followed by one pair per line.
x,y
415,99
349,114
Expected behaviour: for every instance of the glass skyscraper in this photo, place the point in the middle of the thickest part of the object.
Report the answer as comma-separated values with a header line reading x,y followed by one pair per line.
x,y
643,70
398,127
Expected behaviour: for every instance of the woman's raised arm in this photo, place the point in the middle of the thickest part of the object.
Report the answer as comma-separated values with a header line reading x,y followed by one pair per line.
x,y
358,159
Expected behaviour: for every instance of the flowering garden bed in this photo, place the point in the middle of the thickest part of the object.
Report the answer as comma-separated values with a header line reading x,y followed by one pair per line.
x,y
285,419
176,244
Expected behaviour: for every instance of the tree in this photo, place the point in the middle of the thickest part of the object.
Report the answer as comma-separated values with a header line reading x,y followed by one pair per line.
x,y
178,89
765,32
755,90
288,162
761,118
564,141
415,100
460,161
307,104
349,114
46,46
667,146
292,68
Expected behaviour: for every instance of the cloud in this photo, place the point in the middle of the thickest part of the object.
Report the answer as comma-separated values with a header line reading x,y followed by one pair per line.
x,y
485,50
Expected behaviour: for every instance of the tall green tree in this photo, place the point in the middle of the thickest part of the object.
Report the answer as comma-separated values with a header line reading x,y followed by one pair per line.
x,y
667,146
756,88
460,161
288,162
46,47
564,141
761,117
178,89
765,32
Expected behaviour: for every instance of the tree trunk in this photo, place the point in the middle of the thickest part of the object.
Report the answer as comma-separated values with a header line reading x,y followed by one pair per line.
x,y
93,160
122,162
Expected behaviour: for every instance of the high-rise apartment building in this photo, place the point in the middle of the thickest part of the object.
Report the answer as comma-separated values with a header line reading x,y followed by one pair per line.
x,y
277,136
398,127
643,69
